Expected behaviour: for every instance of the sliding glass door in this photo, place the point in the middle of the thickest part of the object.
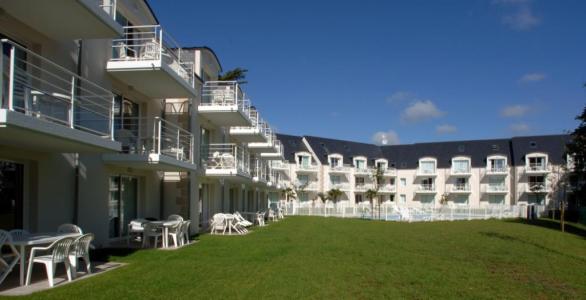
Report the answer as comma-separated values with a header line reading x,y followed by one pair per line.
x,y
123,204
11,195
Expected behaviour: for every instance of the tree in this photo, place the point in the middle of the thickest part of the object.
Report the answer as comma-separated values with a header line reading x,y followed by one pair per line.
x,y
334,194
559,182
237,74
577,150
288,193
370,195
378,178
323,197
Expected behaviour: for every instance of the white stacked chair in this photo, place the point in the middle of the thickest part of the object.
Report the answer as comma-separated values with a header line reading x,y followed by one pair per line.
x,y
135,230
175,218
69,228
185,232
80,249
7,260
218,224
151,231
59,254
175,233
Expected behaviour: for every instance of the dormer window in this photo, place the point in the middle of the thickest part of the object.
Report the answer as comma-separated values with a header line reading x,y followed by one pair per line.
x,y
381,164
335,161
427,166
536,162
303,160
496,164
360,164
461,165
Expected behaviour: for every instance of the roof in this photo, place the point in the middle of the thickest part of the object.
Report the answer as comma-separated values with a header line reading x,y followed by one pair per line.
x,y
324,147
407,156
210,50
152,11
292,144
553,145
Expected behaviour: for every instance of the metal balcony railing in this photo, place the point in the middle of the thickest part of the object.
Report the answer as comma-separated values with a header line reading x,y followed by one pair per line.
x,y
496,170
537,187
306,185
363,170
388,188
461,187
225,156
260,169
37,87
307,167
421,171
280,165
149,43
154,136
225,93
363,186
460,171
536,167
390,172
340,168
496,188
426,187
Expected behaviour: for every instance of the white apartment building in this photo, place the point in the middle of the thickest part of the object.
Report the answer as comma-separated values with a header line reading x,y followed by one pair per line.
x,y
476,173
105,118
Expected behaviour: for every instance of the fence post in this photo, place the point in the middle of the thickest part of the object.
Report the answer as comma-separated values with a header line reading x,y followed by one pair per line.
x,y
72,103
11,81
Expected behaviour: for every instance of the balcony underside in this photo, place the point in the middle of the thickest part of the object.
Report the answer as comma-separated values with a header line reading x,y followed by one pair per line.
x,y
152,78
64,19
494,192
461,192
426,175
271,156
28,132
305,171
247,135
260,147
460,174
387,191
223,115
153,162
497,173
232,175
425,192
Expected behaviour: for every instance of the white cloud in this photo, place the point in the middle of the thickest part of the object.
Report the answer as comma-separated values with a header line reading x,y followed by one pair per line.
x,y
532,77
421,110
400,96
445,129
520,15
385,138
512,111
520,127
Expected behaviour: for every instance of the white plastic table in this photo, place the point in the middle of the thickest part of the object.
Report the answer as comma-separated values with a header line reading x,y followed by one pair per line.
x,y
36,239
165,230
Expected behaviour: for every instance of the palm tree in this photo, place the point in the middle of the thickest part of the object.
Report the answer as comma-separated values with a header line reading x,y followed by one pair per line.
x,y
323,197
237,74
370,195
334,194
378,179
288,193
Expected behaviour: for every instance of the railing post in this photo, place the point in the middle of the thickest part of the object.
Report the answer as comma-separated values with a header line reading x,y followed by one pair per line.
x,y
157,135
160,42
112,118
72,103
178,143
191,150
11,78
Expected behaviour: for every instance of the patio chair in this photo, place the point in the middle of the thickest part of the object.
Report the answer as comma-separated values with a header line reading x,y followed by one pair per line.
x,y
260,218
242,220
185,232
7,259
69,228
59,254
175,233
135,230
151,231
18,233
272,215
81,249
218,224
175,218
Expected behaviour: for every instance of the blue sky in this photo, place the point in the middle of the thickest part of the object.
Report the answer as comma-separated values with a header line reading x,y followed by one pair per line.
x,y
413,71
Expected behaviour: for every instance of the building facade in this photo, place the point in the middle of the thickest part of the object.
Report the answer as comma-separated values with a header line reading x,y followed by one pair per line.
x,y
479,173
105,118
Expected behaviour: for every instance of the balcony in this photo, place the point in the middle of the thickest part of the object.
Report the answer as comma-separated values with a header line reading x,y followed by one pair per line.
x,y
340,169
311,185
536,168
363,171
152,63
307,168
226,160
460,172
48,108
66,19
497,171
268,146
426,172
363,187
281,165
223,104
461,188
425,189
253,133
389,172
152,144
343,186
276,153
536,187
260,171
496,189
387,189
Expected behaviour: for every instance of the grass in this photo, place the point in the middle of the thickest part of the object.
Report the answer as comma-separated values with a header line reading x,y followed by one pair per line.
x,y
313,257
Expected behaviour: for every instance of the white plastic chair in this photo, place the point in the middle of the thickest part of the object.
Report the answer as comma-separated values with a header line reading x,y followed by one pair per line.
x,y
135,230
218,224
260,218
18,233
59,254
185,232
69,228
175,218
175,233
81,249
7,260
151,231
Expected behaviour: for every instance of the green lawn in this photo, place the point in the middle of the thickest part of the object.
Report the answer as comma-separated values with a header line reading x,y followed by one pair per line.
x,y
314,257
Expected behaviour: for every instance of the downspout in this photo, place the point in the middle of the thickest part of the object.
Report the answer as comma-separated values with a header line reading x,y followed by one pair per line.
x,y
76,155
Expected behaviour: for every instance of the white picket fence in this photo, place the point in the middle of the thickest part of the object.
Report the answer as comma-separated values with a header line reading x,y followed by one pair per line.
x,y
390,211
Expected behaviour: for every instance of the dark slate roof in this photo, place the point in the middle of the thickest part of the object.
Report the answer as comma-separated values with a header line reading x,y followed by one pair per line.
x,y
407,156
323,147
292,144
553,145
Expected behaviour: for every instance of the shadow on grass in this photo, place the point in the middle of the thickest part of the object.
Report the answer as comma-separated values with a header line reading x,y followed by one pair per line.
x,y
104,254
554,225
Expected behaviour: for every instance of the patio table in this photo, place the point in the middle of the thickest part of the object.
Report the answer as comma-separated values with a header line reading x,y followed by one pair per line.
x,y
164,230
35,239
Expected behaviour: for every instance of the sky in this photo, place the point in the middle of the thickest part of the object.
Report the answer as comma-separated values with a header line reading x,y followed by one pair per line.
x,y
398,71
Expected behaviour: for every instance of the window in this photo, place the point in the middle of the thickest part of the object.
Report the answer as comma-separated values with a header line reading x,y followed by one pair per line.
x,y
358,198
392,181
427,167
303,197
303,160
537,163
403,199
303,179
359,181
533,144
427,199
403,182
360,164
497,165
381,165
461,166
461,199
335,179
461,184
334,162
427,182
536,199
122,205
536,182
